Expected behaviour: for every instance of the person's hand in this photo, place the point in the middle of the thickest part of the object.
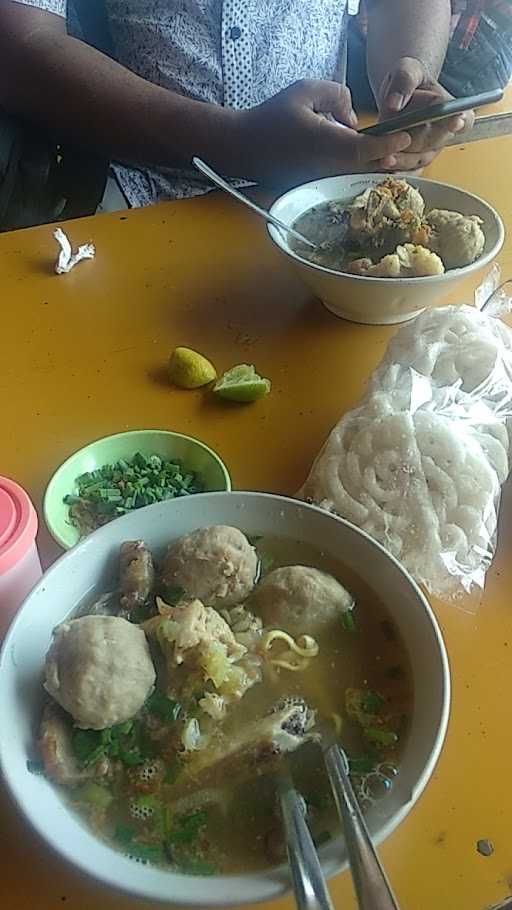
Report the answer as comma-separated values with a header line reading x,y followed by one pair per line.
x,y
407,87
306,131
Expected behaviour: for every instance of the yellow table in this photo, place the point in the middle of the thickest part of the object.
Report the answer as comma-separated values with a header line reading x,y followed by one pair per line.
x,y
84,354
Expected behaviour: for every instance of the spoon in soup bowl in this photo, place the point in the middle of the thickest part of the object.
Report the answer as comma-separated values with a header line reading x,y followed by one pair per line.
x,y
372,887
370,881
263,213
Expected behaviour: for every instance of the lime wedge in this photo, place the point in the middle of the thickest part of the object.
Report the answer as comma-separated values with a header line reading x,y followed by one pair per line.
x,y
242,383
190,370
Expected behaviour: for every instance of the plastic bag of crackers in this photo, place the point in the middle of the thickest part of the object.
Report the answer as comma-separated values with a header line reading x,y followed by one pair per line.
x,y
420,463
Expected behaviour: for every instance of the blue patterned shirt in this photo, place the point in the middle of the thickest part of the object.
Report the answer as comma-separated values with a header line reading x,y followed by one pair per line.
x,y
237,53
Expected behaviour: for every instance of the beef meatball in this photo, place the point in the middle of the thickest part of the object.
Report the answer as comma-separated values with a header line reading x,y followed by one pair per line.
x,y
458,239
217,565
99,669
300,600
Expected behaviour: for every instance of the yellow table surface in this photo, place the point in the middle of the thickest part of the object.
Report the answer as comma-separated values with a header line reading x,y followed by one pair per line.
x,y
83,355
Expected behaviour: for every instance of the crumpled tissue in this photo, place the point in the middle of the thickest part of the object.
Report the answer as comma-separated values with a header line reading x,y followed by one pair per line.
x,y
67,259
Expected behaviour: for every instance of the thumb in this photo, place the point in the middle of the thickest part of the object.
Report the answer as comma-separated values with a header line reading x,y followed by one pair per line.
x,y
326,97
400,83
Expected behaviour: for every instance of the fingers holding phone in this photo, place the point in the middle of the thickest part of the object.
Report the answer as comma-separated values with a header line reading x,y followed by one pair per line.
x,y
428,139
427,112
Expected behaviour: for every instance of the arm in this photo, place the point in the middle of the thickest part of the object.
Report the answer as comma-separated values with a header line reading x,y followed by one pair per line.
x,y
55,80
406,29
407,41
51,78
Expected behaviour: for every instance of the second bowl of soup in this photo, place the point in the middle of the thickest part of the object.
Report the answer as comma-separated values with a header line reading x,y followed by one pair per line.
x,y
364,296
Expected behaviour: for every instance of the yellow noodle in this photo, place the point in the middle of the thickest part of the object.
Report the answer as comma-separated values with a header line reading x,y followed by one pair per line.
x,y
305,646
298,654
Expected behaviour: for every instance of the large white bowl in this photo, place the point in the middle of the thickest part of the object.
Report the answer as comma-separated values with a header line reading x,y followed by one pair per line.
x,y
381,301
93,562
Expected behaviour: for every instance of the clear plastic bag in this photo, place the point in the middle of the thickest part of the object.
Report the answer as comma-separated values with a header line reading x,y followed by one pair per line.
x,y
420,462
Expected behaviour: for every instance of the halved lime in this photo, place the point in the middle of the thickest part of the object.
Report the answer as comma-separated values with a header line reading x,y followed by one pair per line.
x,y
242,383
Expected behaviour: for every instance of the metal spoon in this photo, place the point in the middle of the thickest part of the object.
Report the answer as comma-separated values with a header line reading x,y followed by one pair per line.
x,y
307,876
224,185
370,881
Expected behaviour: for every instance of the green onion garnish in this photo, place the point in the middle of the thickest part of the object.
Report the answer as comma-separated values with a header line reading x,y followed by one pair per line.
x,y
347,621
115,489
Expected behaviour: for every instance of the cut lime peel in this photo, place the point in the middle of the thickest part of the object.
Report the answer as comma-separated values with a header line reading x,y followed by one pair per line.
x,y
243,384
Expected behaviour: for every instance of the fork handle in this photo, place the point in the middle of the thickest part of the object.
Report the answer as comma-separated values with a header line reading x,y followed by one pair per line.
x,y
371,884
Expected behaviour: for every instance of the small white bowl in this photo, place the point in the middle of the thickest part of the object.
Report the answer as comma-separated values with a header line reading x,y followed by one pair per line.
x,y
381,301
92,564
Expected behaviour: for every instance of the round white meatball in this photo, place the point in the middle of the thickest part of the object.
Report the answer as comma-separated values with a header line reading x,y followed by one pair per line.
x,y
217,565
99,669
459,239
300,600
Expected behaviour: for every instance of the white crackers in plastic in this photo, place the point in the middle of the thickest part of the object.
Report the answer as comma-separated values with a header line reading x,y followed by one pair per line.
x,y
420,463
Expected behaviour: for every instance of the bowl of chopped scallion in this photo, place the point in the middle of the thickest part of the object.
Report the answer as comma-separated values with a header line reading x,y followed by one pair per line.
x,y
120,473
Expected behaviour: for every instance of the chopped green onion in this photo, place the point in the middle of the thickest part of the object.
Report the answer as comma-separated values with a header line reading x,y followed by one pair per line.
x,y
197,868
124,741
95,794
122,729
165,708
362,764
381,737
131,757
173,770
118,488
266,563
88,746
347,621
166,820
181,836
364,706
124,834
372,703
148,852
187,828
195,820
148,801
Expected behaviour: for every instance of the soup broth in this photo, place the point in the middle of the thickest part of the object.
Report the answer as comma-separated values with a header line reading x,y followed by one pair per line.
x,y
213,808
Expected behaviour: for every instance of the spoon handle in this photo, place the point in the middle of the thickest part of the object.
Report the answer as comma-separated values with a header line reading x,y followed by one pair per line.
x,y
224,185
372,887
308,879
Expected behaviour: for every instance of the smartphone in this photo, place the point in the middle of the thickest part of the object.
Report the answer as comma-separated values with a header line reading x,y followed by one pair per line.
x,y
431,113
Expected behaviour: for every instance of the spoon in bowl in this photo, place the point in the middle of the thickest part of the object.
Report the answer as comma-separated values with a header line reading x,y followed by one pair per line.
x,y
372,887
373,890
263,213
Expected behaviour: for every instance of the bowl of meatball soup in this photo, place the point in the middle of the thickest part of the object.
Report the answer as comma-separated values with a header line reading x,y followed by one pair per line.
x,y
164,670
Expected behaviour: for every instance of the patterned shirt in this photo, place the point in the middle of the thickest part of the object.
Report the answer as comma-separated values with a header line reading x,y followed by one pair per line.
x,y
466,17
236,53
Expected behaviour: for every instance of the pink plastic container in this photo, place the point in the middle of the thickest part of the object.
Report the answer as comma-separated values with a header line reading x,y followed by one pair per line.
x,y
20,567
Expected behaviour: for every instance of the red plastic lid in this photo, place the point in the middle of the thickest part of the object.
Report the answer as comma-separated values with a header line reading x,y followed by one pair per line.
x,y
18,524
